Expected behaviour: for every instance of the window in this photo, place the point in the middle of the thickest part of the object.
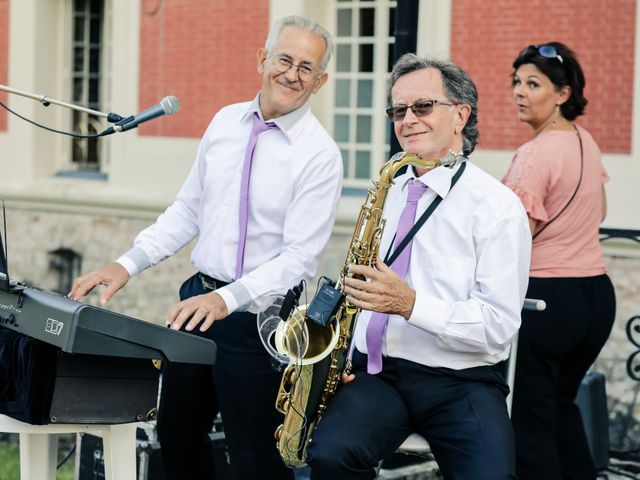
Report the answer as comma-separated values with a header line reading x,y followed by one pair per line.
x,y
66,265
86,75
364,45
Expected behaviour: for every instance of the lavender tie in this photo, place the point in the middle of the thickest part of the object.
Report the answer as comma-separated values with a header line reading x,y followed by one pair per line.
x,y
258,127
378,321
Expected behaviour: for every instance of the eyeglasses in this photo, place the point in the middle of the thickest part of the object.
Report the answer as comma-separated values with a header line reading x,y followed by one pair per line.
x,y
547,51
282,64
419,109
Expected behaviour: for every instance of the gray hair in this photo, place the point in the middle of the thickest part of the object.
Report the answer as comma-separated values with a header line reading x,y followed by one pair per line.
x,y
305,24
458,87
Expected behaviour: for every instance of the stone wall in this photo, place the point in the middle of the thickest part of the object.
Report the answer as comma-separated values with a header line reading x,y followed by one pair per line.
x,y
32,234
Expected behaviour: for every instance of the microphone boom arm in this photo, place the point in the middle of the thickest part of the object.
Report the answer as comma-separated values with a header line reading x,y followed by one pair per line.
x,y
111,117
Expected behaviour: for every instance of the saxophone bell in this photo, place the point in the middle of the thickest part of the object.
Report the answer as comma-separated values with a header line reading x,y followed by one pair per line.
x,y
295,340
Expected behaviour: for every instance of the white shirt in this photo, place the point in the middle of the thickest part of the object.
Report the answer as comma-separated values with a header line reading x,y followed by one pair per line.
x,y
294,188
469,267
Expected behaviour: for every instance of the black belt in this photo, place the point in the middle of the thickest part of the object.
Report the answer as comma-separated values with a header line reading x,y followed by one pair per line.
x,y
210,283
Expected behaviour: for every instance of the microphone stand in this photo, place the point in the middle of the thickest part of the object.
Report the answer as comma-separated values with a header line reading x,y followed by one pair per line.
x,y
111,117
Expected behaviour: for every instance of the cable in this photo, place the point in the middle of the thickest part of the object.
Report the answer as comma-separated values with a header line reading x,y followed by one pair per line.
x,y
66,457
71,134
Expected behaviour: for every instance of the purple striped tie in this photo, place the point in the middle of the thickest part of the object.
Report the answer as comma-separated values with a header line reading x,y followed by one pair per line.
x,y
378,321
258,127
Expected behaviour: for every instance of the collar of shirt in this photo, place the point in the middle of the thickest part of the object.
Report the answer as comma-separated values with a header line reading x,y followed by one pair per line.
x,y
438,179
286,123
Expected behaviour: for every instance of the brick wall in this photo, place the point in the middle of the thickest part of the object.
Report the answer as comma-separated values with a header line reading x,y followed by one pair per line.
x,y
4,57
204,53
487,36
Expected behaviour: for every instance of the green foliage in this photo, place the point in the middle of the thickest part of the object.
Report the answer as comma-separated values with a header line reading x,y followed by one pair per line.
x,y
10,461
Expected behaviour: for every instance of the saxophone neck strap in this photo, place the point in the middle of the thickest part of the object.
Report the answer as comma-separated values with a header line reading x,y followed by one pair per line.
x,y
574,192
423,218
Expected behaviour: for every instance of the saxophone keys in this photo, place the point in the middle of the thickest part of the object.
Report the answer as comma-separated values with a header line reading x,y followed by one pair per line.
x,y
290,374
283,402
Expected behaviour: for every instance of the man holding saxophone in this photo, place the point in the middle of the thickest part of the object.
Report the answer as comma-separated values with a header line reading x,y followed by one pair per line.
x,y
261,197
437,321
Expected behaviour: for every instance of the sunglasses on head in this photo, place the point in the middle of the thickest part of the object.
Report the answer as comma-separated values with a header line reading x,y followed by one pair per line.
x,y
419,109
547,51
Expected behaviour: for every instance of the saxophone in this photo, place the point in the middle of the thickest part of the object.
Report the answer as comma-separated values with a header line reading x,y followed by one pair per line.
x,y
311,379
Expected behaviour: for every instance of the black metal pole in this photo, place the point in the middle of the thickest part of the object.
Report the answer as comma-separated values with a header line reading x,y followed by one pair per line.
x,y
406,35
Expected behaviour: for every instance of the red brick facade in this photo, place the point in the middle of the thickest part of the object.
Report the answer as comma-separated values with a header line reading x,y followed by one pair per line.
x,y
201,51
487,36
4,58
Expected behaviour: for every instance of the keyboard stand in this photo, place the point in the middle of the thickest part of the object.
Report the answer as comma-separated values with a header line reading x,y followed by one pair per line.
x,y
39,447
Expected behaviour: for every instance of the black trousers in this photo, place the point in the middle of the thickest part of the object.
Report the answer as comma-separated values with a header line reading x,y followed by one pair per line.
x,y
464,418
555,349
241,385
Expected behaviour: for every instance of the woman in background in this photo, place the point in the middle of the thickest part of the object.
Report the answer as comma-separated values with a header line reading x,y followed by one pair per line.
x,y
560,178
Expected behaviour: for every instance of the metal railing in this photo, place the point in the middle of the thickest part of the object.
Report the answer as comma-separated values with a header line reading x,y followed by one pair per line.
x,y
626,463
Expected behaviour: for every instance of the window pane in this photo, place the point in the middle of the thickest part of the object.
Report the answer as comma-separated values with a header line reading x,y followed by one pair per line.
x,y
94,60
94,92
94,33
344,23
363,165
345,163
363,129
366,58
77,116
392,22
343,93
365,92
77,89
341,128
367,22
92,154
390,58
78,26
96,7
78,59
343,58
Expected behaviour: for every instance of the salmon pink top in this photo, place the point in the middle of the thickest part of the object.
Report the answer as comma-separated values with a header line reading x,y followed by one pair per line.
x,y
544,173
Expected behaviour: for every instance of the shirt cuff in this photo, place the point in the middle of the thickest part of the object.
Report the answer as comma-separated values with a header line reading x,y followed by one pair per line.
x,y
134,261
430,314
235,296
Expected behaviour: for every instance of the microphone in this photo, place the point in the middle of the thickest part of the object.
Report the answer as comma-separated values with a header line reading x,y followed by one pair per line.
x,y
167,106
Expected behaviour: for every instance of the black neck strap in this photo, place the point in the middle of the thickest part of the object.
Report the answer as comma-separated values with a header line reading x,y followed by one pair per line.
x,y
423,218
574,192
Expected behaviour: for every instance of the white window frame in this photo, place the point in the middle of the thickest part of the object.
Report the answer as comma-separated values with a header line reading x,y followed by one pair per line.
x,y
378,147
66,162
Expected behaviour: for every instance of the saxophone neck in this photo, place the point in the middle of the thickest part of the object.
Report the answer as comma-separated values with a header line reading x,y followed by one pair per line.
x,y
400,159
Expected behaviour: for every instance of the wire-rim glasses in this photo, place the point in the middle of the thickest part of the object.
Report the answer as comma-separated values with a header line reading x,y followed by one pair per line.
x,y
421,108
282,63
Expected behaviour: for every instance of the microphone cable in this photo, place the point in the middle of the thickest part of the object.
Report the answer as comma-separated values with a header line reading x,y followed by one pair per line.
x,y
70,134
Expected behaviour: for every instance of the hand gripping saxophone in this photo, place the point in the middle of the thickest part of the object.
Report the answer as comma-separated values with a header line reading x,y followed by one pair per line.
x,y
317,354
